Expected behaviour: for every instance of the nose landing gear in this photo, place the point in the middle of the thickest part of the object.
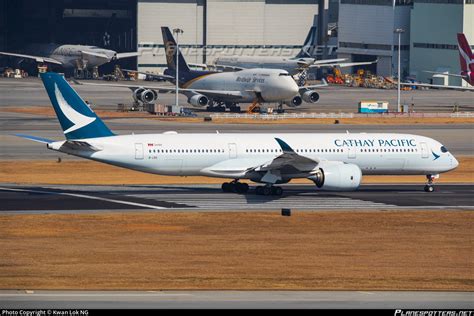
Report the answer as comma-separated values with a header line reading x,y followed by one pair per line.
x,y
429,187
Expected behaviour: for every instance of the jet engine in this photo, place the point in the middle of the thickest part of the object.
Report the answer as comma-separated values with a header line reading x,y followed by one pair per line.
x,y
296,101
198,100
337,176
146,96
310,96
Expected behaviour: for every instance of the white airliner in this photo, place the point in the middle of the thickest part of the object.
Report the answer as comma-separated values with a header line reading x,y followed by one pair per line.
x,y
332,161
294,65
71,56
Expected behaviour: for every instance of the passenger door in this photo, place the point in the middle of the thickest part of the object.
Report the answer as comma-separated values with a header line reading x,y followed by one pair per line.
x,y
138,151
351,153
424,150
232,150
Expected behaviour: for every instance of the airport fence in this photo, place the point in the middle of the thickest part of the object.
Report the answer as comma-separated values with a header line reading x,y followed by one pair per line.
x,y
337,115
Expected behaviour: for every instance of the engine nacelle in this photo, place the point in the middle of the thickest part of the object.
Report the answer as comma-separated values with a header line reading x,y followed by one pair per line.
x,y
311,96
296,101
145,95
198,100
337,176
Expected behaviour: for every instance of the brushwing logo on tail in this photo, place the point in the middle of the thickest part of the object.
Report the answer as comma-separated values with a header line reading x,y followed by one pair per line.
x,y
79,120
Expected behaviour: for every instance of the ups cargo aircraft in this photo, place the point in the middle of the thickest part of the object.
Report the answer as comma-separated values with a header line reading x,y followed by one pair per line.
x,y
335,161
219,89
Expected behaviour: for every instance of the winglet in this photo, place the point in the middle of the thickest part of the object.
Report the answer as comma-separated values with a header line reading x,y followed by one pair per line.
x,y
284,146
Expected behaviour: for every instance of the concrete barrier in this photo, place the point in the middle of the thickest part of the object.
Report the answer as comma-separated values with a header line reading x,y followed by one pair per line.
x,y
338,115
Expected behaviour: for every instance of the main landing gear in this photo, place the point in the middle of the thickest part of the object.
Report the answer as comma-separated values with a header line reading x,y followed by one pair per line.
x,y
235,187
242,188
430,182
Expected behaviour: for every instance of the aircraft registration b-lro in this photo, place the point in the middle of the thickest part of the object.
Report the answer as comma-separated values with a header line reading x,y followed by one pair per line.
x,y
333,161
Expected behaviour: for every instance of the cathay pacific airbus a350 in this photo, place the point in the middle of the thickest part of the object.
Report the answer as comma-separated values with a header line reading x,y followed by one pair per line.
x,y
332,161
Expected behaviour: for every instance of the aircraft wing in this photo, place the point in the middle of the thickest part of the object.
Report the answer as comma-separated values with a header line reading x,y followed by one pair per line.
x,y
289,162
93,54
327,61
289,158
38,59
342,65
156,76
444,74
438,86
229,68
127,55
214,93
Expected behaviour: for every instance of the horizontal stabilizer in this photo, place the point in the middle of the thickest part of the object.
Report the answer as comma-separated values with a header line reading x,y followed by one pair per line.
x,y
36,139
78,145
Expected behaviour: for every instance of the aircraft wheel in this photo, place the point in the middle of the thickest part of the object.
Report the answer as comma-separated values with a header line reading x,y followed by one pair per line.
x,y
267,190
227,187
429,188
277,191
241,187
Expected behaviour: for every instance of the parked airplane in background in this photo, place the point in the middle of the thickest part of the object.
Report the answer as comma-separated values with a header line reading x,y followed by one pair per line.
x,y
219,89
332,161
71,56
466,60
294,65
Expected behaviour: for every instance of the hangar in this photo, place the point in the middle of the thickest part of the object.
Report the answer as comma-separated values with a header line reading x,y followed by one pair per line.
x,y
214,28
105,23
211,27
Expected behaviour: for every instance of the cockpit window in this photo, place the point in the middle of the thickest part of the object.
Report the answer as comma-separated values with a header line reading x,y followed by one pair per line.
x,y
444,149
284,74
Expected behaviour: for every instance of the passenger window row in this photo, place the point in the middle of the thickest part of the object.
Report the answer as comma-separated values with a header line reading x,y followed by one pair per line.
x,y
389,150
337,150
184,151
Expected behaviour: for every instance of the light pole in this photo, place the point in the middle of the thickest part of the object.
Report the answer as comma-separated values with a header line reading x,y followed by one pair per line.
x,y
177,31
399,32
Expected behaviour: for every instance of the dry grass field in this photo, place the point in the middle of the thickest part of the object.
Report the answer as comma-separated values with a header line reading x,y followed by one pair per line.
x,y
419,250
86,172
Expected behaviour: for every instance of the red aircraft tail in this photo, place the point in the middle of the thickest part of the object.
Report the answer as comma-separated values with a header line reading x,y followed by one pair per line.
x,y
465,54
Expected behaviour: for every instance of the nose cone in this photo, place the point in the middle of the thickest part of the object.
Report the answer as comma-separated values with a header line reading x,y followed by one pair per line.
x,y
454,163
292,86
